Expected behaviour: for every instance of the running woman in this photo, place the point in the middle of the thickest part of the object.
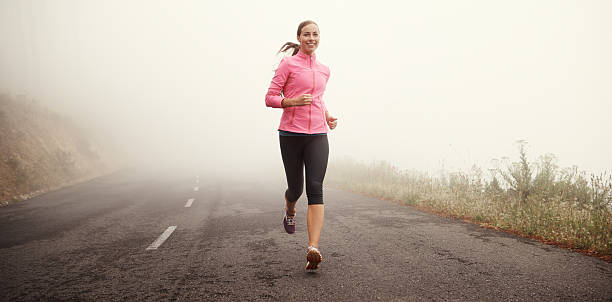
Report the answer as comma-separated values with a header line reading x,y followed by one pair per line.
x,y
297,87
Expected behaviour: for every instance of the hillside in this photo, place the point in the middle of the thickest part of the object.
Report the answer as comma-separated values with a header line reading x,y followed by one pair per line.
x,y
40,151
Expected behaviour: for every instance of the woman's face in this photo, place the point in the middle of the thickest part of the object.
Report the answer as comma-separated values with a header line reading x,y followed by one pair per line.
x,y
309,38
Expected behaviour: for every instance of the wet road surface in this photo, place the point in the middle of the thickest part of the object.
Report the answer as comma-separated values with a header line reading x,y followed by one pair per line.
x,y
89,243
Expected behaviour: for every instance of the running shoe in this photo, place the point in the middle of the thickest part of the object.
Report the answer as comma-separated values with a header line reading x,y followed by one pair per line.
x,y
289,223
313,258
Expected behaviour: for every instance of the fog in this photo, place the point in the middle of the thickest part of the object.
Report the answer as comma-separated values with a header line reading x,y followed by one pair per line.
x,y
426,85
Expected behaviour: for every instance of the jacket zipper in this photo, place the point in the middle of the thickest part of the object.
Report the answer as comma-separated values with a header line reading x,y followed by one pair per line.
x,y
311,93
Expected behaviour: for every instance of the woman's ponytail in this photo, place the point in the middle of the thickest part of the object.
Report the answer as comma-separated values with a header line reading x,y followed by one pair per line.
x,y
290,45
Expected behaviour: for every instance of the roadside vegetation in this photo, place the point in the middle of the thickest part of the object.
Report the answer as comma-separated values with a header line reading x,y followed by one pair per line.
x,y
41,150
540,200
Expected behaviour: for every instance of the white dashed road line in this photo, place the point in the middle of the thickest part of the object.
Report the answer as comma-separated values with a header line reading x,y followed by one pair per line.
x,y
189,202
196,189
162,238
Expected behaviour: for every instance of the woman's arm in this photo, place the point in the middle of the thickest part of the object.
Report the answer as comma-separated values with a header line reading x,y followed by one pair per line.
x,y
302,100
273,97
332,122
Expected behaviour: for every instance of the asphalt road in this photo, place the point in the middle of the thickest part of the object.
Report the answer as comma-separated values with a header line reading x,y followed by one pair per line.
x,y
89,243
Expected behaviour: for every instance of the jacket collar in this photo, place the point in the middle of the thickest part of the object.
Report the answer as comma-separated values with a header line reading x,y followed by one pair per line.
x,y
305,56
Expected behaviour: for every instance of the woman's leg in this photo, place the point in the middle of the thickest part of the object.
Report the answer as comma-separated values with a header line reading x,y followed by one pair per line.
x,y
292,154
316,155
314,220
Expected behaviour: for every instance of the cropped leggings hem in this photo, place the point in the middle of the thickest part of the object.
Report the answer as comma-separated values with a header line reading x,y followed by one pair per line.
x,y
308,153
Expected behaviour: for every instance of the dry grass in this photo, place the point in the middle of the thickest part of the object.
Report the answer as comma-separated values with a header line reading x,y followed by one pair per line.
x,y
41,151
537,200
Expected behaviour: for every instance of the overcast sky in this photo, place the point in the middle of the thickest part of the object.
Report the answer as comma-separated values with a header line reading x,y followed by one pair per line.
x,y
423,84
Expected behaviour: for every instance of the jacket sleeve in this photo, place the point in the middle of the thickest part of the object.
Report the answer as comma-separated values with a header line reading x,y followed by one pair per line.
x,y
326,80
273,97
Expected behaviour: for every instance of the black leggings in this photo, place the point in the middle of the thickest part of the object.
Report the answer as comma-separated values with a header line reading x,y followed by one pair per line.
x,y
311,152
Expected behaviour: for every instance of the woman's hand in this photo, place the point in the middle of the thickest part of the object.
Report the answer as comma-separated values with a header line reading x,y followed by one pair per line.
x,y
332,122
304,99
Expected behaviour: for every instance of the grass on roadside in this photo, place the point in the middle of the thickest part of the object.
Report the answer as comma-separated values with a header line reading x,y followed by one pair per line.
x,y
538,200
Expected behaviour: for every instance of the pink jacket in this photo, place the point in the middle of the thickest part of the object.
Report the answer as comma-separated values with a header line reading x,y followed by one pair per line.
x,y
297,75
